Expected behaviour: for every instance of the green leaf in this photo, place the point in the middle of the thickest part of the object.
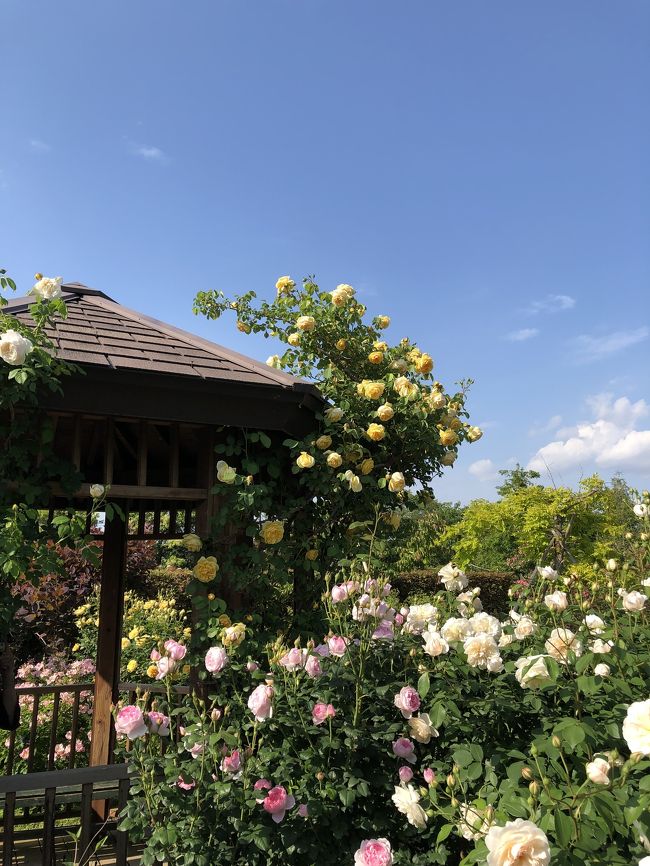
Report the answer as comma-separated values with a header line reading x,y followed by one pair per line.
x,y
424,685
563,828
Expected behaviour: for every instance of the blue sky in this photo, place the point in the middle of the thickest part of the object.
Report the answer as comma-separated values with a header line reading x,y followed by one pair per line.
x,y
478,171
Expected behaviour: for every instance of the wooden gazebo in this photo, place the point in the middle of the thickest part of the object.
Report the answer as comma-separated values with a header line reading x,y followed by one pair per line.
x,y
141,419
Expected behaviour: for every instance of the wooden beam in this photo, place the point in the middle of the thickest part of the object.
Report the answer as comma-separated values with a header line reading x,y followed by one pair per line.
x,y
132,491
111,607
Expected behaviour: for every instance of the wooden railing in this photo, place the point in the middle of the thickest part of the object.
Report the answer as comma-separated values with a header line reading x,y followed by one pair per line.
x,y
36,814
44,705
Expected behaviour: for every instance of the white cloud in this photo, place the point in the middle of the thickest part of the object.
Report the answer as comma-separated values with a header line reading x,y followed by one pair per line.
x,y
522,334
150,153
610,441
588,347
484,470
549,426
551,304
39,146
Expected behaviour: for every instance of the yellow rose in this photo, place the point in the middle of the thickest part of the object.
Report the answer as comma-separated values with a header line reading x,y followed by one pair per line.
x,y
376,432
354,481
405,388
448,458
294,339
243,327
376,357
272,531
134,633
339,297
152,671
474,434
132,666
274,361
341,344
224,620
396,482
380,345
305,323
382,322
211,596
311,555
305,460
284,285
323,442
185,669
76,647
346,289
385,412
448,437
455,423
370,390
233,635
126,643
192,542
226,474
437,400
334,460
206,569
333,414
424,364
414,355
400,366
367,466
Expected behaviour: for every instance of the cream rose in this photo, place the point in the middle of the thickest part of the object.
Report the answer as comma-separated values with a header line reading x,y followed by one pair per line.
x,y
561,641
323,442
382,322
376,432
636,727
333,414
531,671
421,729
305,460
226,474
598,771
284,285
396,482
334,460
47,288
519,843
14,348
305,323
206,569
556,601
192,542
407,801
272,531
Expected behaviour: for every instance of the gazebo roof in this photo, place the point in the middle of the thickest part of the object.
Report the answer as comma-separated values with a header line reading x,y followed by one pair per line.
x,y
173,374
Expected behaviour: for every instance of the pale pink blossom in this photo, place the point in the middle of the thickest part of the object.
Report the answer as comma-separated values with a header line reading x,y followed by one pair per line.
x,y
260,702
429,776
337,645
130,721
404,749
186,786
262,785
407,701
312,667
294,660
165,666
374,852
277,802
216,659
232,763
175,650
303,811
158,723
321,712
405,774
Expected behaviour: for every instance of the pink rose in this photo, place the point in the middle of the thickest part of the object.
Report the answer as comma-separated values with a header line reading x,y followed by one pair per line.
x,y
232,763
262,785
405,774
294,660
374,852
165,666
252,666
196,750
384,631
404,748
399,619
260,703
176,650
186,786
337,646
276,803
303,811
158,723
130,721
321,712
322,650
313,668
408,701
154,655
429,776
216,659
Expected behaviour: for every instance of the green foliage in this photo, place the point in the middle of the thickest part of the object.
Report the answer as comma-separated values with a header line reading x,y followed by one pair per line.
x,y
532,524
516,479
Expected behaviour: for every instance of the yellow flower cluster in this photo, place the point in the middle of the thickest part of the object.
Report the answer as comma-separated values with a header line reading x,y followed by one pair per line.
x,y
206,569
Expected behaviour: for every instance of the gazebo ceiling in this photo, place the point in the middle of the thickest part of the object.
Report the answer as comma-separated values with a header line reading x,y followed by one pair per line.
x,y
138,367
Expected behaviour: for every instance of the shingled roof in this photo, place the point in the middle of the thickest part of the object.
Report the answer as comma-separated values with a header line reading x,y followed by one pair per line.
x,y
101,332
124,351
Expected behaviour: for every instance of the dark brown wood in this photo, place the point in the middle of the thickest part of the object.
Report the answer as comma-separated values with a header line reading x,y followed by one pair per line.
x,y
174,454
86,821
53,732
33,728
48,826
142,453
76,443
111,606
64,778
109,452
74,728
9,809
132,491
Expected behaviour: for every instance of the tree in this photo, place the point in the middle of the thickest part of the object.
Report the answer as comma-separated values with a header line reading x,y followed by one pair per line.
x,y
516,479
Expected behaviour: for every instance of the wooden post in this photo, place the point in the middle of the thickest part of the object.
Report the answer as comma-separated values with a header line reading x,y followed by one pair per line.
x,y
109,639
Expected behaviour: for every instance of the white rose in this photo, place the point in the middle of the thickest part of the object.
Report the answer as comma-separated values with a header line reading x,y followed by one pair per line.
x,y
600,646
421,728
645,581
532,671
419,617
472,825
274,361
505,640
611,565
14,348
48,288
561,641
407,801
602,670
636,727
482,652
96,491
525,627
456,629
434,643
452,577
556,601
633,601
641,509
483,623
546,572
594,623
519,843
598,770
